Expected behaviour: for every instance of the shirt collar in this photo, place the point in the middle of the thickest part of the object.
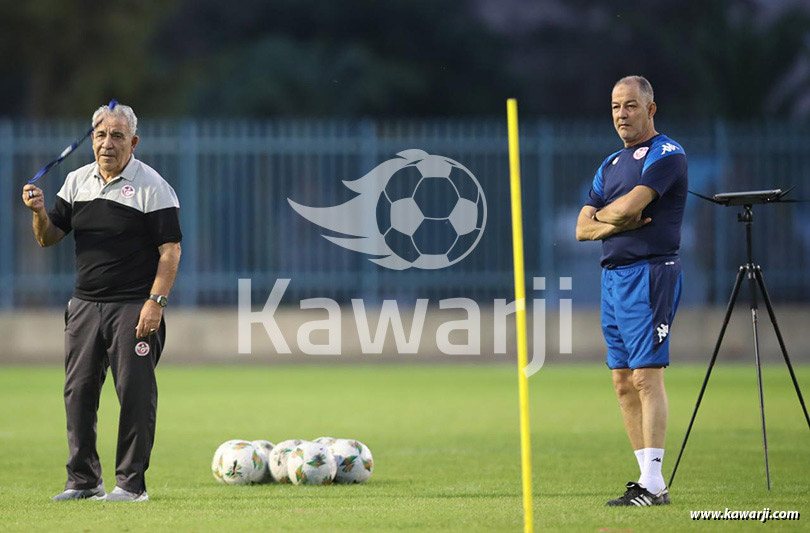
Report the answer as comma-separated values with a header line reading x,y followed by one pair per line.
x,y
646,143
128,173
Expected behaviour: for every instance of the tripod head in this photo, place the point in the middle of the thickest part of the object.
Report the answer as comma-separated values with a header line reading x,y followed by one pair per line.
x,y
747,216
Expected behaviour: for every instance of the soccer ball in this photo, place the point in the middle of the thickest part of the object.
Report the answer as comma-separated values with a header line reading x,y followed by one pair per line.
x,y
432,212
279,457
264,447
216,463
354,461
238,463
311,464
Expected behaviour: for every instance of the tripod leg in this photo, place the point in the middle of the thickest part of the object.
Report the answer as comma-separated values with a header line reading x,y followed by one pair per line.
x,y
754,322
771,313
734,292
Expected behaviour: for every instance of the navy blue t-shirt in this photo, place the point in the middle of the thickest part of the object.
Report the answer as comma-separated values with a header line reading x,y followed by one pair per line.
x,y
659,163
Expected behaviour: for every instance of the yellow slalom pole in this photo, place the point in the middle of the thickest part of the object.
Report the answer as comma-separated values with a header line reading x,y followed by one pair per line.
x,y
520,316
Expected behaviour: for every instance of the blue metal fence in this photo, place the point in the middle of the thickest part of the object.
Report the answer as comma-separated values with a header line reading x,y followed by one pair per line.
x,y
233,179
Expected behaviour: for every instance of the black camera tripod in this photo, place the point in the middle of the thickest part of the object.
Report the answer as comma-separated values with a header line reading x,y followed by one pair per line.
x,y
755,281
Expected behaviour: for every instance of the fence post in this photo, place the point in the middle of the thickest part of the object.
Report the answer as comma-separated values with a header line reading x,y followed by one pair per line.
x,y
188,150
7,209
721,237
368,146
546,205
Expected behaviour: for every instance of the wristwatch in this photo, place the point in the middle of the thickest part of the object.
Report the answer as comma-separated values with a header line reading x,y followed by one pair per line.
x,y
161,300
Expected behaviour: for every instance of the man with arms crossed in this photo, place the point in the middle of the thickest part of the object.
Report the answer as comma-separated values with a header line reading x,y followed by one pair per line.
x,y
127,233
635,207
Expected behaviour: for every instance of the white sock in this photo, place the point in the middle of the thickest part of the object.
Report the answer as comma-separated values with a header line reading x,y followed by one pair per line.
x,y
651,478
640,459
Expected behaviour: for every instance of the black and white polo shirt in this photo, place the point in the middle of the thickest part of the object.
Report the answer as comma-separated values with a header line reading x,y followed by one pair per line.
x,y
118,228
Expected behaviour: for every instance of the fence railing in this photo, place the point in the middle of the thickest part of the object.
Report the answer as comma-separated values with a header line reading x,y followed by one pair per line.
x,y
234,179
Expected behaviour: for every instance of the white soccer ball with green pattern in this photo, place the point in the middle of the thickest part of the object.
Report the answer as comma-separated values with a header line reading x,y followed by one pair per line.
x,y
355,463
311,464
278,459
216,463
241,464
264,447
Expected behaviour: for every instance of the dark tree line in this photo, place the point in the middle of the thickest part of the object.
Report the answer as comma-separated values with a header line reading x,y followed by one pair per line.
x,y
401,58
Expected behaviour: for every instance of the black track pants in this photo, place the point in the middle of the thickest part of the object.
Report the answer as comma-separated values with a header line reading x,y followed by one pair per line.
x,y
100,336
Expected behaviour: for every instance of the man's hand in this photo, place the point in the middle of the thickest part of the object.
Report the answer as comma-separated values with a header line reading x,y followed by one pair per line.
x,y
149,321
591,229
152,313
633,224
37,202
46,233
627,208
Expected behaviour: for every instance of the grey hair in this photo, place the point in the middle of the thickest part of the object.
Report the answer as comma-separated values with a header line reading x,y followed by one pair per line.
x,y
644,86
120,110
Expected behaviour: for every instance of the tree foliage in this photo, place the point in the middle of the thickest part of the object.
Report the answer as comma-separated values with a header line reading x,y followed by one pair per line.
x,y
399,58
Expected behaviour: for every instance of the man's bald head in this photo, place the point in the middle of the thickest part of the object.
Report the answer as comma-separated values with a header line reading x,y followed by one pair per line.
x,y
644,87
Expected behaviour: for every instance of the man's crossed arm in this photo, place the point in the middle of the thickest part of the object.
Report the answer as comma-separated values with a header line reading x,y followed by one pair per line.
x,y
623,214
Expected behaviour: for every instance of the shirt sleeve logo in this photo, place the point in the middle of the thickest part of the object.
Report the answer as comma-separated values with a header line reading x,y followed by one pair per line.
x,y
641,152
127,191
668,147
142,349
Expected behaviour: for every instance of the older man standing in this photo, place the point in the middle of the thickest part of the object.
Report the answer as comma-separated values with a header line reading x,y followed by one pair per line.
x,y
635,207
125,222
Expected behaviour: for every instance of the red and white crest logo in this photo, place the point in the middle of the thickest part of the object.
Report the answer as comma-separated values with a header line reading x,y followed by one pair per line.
x,y
641,152
127,191
142,349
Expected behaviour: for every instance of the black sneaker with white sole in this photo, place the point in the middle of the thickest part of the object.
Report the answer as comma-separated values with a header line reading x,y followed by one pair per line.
x,y
638,496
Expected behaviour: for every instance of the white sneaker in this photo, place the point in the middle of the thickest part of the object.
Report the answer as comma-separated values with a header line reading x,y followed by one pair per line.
x,y
120,495
96,493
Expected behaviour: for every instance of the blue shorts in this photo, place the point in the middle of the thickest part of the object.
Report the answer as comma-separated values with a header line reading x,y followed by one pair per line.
x,y
638,306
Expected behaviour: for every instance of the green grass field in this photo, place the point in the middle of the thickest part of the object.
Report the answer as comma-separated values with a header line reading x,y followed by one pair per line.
x,y
445,443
